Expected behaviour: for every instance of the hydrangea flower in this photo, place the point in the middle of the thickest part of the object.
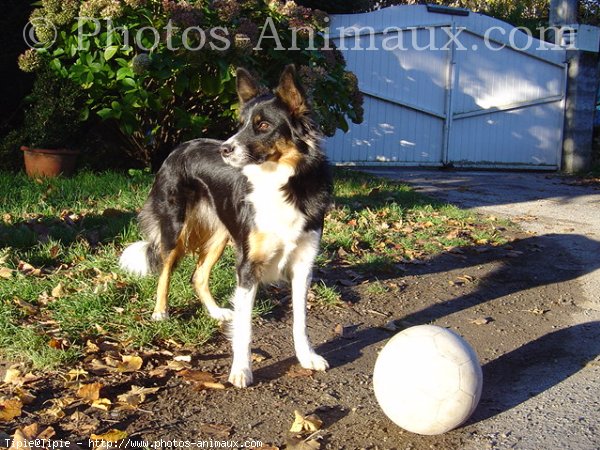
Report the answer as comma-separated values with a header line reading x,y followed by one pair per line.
x,y
30,61
141,63
60,12
183,13
227,10
106,9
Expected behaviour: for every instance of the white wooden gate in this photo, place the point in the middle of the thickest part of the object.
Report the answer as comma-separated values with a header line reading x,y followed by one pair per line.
x,y
441,89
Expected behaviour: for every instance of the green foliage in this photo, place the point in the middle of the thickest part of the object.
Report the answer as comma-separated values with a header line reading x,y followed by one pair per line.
x,y
337,6
165,87
528,13
51,118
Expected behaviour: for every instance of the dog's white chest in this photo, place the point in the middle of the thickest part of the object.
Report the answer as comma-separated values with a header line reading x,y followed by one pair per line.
x,y
279,222
273,213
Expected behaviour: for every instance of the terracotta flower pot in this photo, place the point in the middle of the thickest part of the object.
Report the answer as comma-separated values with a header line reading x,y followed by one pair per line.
x,y
49,162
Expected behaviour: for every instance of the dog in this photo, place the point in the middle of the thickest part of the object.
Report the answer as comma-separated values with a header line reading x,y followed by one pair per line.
x,y
266,190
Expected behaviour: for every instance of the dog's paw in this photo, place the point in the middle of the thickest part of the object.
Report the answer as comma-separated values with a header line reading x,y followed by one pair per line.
x,y
314,362
221,314
241,378
160,315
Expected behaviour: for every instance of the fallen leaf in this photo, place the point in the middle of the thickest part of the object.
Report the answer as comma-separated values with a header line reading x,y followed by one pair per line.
x,y
466,278
309,423
259,357
62,402
339,330
6,273
58,344
112,435
27,269
55,412
9,409
90,347
299,372
481,320
90,392
130,363
202,380
26,397
27,307
58,291
54,250
135,396
158,372
76,374
178,365
537,311
197,376
12,376
102,403
81,423
213,385
27,437
98,367
298,443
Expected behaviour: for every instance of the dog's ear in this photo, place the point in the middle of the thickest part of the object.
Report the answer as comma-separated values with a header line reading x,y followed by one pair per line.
x,y
247,87
290,92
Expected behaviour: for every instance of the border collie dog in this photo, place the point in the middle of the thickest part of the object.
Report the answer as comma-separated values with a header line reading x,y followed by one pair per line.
x,y
266,190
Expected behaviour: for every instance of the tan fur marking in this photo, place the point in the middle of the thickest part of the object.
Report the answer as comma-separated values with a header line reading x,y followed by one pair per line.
x,y
162,291
208,257
286,153
194,237
257,247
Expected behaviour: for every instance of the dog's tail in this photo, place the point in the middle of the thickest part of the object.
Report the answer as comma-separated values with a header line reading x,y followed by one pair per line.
x,y
141,258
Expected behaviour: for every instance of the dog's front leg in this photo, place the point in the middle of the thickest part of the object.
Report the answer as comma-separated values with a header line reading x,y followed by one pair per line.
x,y
241,335
301,271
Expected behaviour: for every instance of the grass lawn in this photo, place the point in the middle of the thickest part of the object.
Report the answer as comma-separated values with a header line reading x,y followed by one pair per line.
x,y
61,289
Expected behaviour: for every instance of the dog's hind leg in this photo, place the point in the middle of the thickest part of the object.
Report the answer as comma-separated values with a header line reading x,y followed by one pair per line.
x,y
161,309
209,255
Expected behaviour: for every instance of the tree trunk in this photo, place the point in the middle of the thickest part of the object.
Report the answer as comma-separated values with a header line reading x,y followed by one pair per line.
x,y
582,89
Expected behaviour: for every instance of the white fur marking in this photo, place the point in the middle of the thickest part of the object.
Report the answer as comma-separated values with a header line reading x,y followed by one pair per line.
x,y
241,335
301,265
274,215
134,259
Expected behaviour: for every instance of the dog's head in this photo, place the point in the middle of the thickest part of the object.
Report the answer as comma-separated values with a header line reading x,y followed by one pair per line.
x,y
273,127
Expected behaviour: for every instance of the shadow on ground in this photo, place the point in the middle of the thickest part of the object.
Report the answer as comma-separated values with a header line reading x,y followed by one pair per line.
x,y
513,377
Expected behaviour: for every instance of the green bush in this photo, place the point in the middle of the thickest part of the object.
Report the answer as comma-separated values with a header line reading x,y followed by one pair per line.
x,y
340,6
52,118
165,87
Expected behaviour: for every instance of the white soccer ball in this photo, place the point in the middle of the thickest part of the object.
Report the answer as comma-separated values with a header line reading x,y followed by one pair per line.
x,y
427,380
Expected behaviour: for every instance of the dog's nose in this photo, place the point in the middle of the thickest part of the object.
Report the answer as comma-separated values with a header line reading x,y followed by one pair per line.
x,y
226,149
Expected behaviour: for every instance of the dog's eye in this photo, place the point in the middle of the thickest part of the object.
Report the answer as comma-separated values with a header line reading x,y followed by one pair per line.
x,y
263,126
